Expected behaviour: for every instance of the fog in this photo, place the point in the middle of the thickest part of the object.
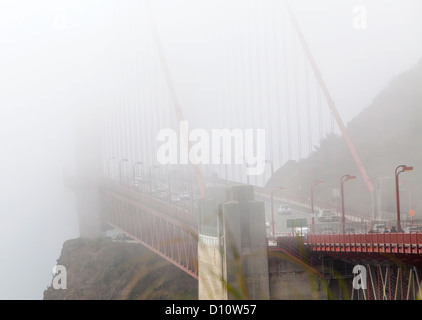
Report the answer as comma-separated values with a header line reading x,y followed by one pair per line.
x,y
60,60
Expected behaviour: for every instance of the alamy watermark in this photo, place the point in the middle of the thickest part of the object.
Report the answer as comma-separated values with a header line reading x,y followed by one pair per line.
x,y
359,280
60,19
360,17
59,277
199,147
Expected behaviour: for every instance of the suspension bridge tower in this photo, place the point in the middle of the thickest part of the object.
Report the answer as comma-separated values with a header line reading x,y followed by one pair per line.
x,y
86,179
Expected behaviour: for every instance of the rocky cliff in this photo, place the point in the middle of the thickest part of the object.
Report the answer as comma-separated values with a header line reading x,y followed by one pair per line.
x,y
112,270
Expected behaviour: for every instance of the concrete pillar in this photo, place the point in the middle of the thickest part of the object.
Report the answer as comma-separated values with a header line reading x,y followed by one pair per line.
x,y
210,264
234,263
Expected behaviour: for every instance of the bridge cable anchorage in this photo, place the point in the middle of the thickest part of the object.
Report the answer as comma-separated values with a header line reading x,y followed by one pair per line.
x,y
330,101
173,94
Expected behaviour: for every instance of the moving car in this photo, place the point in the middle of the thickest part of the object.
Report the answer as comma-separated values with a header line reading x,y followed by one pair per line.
x,y
328,215
378,228
301,231
284,209
413,229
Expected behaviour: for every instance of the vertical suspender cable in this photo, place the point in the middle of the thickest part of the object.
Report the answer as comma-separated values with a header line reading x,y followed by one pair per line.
x,y
286,88
243,76
126,86
298,113
308,107
132,99
320,124
120,89
268,82
260,106
277,89
236,98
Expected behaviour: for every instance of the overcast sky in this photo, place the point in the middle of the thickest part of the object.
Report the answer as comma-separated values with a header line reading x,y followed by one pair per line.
x,y
53,55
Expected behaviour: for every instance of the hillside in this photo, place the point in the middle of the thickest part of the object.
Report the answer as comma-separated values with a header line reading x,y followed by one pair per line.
x,y
102,269
386,134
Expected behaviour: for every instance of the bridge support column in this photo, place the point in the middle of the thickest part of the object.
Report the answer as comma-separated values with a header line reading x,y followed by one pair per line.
x,y
233,262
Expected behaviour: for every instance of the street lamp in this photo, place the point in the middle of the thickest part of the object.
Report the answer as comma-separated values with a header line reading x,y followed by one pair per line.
x,y
344,178
150,177
314,183
134,172
276,188
120,168
403,168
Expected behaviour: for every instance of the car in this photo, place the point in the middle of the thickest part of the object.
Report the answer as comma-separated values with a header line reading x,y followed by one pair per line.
x,y
284,209
413,229
378,228
350,230
175,198
301,231
328,215
327,231
184,196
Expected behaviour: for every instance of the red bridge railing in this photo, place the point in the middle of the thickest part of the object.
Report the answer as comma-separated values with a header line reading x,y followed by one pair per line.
x,y
407,243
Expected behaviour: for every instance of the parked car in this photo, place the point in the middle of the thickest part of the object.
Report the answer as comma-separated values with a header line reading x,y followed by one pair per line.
x,y
284,209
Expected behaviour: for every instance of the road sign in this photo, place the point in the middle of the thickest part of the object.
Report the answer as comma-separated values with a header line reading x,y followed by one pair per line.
x,y
412,213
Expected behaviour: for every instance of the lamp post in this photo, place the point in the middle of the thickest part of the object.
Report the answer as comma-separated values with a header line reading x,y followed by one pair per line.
x,y
344,178
314,183
399,169
120,168
150,177
277,188
134,172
